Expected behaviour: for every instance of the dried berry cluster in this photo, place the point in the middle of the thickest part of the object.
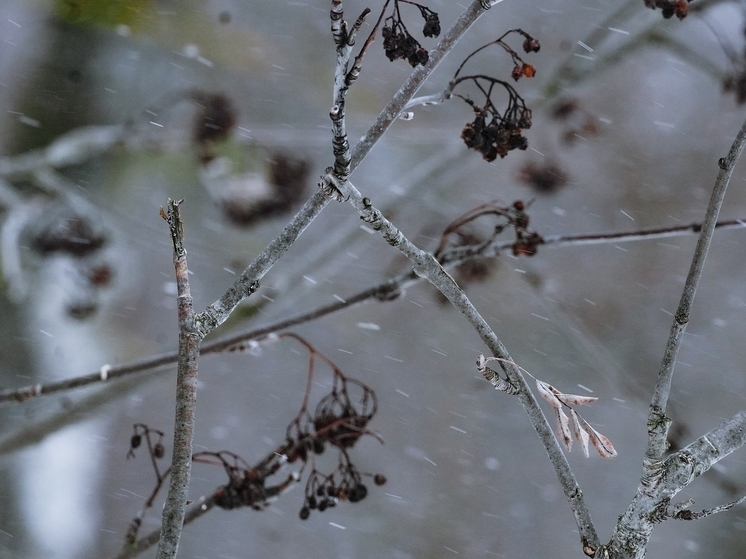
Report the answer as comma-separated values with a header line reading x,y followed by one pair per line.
x,y
77,235
284,187
494,132
344,484
513,216
157,450
337,421
398,42
526,241
670,8
64,229
340,421
246,486
215,120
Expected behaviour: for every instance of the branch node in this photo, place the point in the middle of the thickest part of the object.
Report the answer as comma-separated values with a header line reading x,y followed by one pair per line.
x,y
334,187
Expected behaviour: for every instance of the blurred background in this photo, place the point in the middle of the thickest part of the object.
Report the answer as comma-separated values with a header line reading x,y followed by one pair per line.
x,y
631,113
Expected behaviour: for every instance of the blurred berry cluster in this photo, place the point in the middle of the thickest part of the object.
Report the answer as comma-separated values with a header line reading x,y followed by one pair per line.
x,y
670,8
344,484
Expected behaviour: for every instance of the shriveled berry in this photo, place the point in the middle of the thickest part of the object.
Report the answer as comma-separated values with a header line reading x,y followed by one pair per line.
x,y
358,493
531,45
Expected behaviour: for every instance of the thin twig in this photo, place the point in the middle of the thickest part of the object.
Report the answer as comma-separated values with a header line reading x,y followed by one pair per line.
x,y
71,413
681,511
658,423
186,394
193,327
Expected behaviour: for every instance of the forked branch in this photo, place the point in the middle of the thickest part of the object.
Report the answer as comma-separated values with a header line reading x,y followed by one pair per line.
x,y
662,478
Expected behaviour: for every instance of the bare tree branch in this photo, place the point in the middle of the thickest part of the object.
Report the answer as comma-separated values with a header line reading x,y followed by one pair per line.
x,y
427,267
186,394
200,507
194,327
658,423
662,479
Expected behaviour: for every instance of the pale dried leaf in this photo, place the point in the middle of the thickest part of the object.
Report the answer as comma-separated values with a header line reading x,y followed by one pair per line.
x,y
575,400
563,428
580,433
601,443
548,392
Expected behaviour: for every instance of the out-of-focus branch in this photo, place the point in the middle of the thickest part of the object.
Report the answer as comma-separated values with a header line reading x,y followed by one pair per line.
x,y
72,148
383,291
577,69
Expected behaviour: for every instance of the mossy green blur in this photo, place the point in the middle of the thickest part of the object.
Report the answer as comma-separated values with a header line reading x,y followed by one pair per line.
x,y
110,13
